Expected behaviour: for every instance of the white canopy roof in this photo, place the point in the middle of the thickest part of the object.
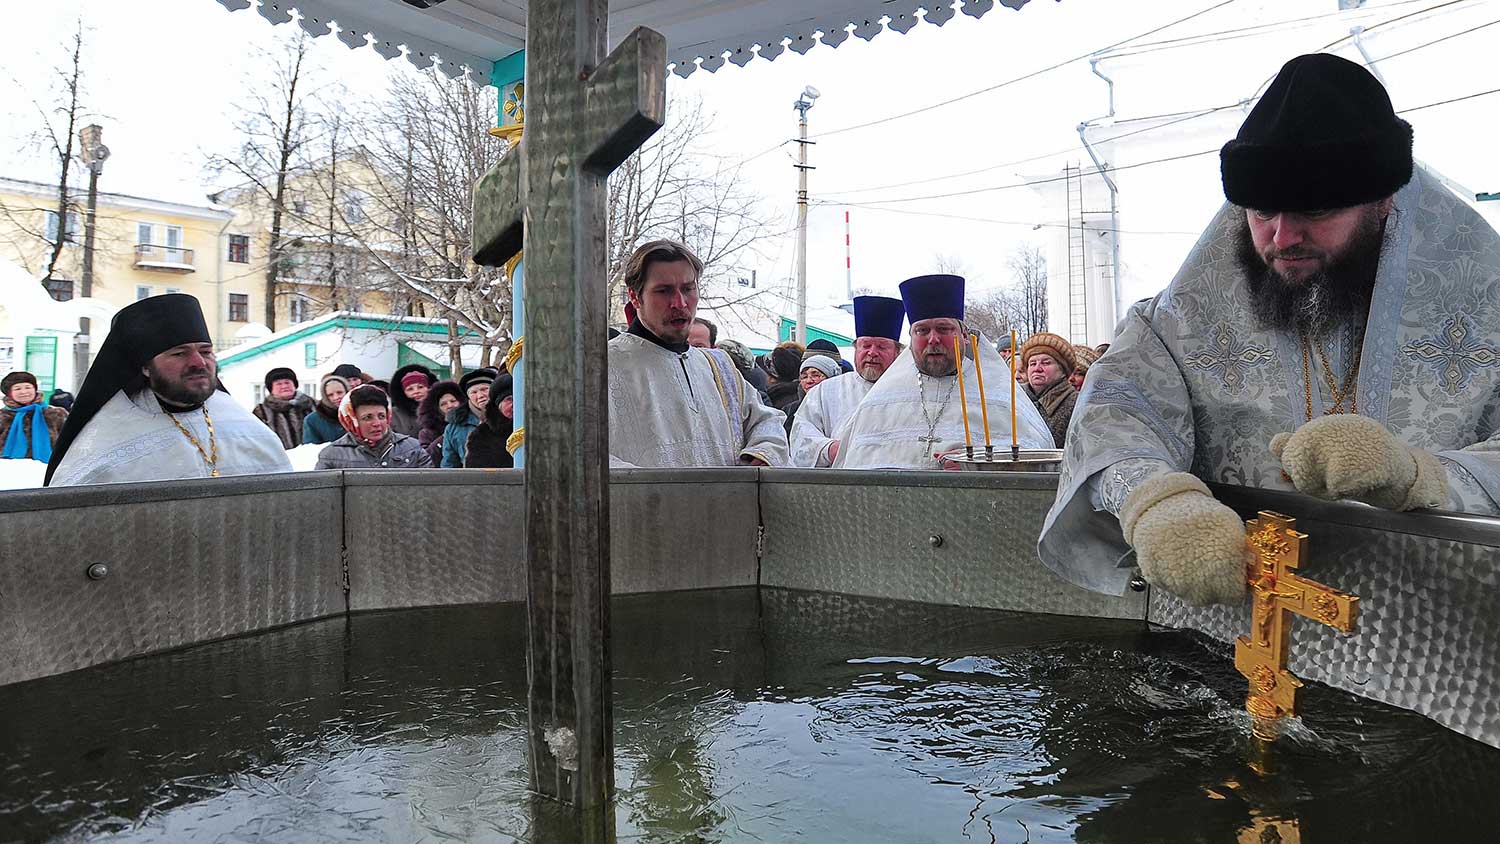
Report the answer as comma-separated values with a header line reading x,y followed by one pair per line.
x,y
475,34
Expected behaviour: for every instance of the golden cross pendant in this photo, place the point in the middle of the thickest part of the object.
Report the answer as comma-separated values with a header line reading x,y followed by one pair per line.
x,y
1276,591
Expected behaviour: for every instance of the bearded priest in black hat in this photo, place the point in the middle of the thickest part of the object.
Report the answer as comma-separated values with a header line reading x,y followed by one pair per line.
x,y
152,407
1336,332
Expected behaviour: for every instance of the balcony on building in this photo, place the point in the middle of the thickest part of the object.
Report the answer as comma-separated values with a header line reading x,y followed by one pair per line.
x,y
170,259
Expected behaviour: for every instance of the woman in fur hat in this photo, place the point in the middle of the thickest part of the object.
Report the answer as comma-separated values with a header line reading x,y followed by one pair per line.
x,y
1048,360
284,409
322,425
408,387
1083,357
486,449
432,412
28,428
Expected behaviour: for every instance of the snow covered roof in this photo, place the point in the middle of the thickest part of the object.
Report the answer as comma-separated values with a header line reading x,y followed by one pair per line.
x,y
475,34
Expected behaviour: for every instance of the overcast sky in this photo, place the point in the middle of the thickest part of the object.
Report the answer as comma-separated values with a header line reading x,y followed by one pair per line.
x,y
163,77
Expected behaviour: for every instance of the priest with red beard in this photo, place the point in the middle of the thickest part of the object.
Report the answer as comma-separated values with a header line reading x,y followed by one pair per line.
x,y
1336,331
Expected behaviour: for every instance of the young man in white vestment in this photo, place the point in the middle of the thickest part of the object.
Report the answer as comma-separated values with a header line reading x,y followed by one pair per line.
x,y
877,344
672,405
912,417
152,407
1336,331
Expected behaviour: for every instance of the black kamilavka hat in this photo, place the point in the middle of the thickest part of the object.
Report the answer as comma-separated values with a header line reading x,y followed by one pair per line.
x,y
138,333
1323,136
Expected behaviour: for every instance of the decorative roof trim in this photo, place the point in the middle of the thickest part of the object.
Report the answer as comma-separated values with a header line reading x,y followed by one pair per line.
x,y
462,37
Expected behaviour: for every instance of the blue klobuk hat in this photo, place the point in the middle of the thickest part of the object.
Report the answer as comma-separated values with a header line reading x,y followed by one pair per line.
x,y
932,296
878,316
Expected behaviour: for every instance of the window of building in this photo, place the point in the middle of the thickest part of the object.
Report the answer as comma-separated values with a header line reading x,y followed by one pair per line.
x,y
143,234
354,207
142,291
239,307
70,236
299,309
239,248
174,289
60,289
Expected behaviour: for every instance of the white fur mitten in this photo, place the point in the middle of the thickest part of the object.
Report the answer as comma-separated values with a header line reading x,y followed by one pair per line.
x,y
1355,457
1185,541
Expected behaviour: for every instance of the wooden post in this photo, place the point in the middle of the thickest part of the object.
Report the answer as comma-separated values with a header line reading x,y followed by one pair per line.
x,y
585,114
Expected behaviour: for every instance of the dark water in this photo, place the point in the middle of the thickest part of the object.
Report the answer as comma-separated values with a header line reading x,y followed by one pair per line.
x,y
741,716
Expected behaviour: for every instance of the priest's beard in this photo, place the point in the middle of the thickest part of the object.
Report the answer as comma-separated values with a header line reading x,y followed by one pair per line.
x,y
1334,295
182,392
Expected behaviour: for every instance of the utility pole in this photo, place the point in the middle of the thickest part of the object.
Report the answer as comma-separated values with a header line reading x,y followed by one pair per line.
x,y
94,155
803,103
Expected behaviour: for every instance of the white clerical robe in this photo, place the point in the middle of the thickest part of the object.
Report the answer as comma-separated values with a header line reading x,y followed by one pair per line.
x,y
671,410
907,417
132,440
823,410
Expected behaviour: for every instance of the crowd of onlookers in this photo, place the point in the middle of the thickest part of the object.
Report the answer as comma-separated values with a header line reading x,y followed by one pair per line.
x,y
414,419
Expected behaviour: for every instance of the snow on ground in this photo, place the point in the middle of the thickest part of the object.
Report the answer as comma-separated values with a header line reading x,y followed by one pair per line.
x,y
21,474
27,474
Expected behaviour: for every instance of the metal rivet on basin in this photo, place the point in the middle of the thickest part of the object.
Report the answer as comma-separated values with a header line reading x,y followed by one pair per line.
x,y
1137,583
98,571
935,540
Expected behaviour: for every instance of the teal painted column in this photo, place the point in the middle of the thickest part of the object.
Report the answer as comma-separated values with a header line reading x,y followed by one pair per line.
x,y
518,374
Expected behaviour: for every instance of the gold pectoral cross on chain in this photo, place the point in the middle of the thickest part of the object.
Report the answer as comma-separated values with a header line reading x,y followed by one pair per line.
x,y
1276,593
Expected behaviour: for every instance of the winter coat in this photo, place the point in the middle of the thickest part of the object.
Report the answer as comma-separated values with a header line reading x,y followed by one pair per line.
x,y
461,422
1056,404
432,420
486,446
404,418
322,425
284,417
396,451
54,416
784,394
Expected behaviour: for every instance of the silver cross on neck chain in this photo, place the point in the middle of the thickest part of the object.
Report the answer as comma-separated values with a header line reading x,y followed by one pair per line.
x,y
932,421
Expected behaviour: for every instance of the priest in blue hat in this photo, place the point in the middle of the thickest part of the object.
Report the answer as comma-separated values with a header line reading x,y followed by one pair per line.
x,y
912,418
877,344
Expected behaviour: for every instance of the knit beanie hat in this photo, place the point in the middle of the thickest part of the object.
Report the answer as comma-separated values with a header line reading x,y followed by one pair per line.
x,y
483,375
785,364
824,346
346,370
11,379
1050,344
1323,136
824,364
739,352
1083,357
281,373
411,378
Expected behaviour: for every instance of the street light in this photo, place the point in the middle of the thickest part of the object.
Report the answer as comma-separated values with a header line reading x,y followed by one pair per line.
x,y
803,103
93,153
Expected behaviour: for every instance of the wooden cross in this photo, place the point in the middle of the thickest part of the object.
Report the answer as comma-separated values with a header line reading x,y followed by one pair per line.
x,y
1275,592
585,114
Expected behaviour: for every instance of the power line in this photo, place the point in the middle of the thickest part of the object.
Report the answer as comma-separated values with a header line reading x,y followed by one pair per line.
x,y
1028,224
1236,33
1154,161
1022,78
1435,41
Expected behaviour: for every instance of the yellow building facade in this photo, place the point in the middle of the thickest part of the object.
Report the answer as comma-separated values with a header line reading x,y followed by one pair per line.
x,y
142,247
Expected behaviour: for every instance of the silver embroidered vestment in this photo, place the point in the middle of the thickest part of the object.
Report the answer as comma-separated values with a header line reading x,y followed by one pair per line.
x,y
1192,384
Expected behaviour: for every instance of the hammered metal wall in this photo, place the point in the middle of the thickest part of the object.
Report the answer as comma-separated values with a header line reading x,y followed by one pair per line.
x,y
1428,635
871,533
442,537
184,566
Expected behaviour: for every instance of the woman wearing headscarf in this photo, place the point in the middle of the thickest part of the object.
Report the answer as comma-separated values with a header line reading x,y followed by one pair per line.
x,y
371,442
322,425
486,449
433,414
409,386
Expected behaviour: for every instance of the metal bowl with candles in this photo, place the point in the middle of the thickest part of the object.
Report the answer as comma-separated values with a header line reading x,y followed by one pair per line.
x,y
1029,460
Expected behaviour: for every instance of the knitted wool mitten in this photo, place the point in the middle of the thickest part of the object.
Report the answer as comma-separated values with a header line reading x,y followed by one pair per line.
x,y
1355,457
1185,541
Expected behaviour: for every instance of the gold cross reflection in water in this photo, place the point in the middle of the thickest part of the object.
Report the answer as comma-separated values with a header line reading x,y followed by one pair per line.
x,y
1276,592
